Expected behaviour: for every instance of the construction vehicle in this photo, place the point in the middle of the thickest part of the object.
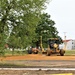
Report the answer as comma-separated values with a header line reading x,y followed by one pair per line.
x,y
33,50
53,47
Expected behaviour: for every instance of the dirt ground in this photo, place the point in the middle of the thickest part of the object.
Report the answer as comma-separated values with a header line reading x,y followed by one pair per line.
x,y
38,57
23,72
39,60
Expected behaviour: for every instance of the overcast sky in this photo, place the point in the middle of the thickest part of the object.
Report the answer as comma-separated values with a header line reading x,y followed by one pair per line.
x,y
63,13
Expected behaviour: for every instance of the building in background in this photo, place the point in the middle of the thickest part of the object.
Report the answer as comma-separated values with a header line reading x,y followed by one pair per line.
x,y
70,44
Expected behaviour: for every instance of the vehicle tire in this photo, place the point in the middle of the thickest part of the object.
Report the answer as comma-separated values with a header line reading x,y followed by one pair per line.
x,y
36,52
62,52
29,51
48,53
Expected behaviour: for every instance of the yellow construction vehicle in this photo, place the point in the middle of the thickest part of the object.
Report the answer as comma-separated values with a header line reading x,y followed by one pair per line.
x,y
33,51
53,47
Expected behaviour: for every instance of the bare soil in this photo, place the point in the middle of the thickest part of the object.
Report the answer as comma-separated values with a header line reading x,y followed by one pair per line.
x,y
39,72
38,57
39,60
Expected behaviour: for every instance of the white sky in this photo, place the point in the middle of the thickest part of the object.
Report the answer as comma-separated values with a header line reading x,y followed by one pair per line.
x,y
63,13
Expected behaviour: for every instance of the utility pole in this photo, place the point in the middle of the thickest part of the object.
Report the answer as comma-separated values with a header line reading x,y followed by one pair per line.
x,y
65,43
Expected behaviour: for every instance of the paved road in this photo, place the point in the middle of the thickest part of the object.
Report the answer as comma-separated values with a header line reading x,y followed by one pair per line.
x,y
32,69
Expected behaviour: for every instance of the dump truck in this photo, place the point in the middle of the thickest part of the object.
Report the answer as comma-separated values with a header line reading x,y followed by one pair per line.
x,y
53,47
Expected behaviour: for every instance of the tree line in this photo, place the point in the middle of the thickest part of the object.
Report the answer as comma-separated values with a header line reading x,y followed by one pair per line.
x,y
22,22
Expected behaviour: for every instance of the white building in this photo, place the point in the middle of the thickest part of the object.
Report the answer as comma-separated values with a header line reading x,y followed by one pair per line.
x,y
70,44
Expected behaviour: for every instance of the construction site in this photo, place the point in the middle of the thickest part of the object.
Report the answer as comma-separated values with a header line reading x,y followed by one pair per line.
x,y
52,61
32,40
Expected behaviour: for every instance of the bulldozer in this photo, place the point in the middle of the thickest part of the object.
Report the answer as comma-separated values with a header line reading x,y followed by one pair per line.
x,y
53,47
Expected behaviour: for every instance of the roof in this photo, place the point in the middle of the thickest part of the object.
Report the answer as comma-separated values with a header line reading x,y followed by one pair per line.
x,y
66,40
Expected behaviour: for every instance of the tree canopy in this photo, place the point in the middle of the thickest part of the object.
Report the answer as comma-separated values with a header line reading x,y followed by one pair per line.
x,y
46,28
18,20
22,23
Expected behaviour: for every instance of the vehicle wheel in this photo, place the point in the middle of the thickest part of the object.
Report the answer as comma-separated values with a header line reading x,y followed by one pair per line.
x,y
62,52
29,51
48,53
44,52
36,52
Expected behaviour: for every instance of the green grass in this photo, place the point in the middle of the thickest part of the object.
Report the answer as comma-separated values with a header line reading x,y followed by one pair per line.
x,y
15,53
10,53
70,52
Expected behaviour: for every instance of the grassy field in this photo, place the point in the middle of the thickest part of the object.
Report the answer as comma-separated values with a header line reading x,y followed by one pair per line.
x,y
67,52
70,52
15,52
24,52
